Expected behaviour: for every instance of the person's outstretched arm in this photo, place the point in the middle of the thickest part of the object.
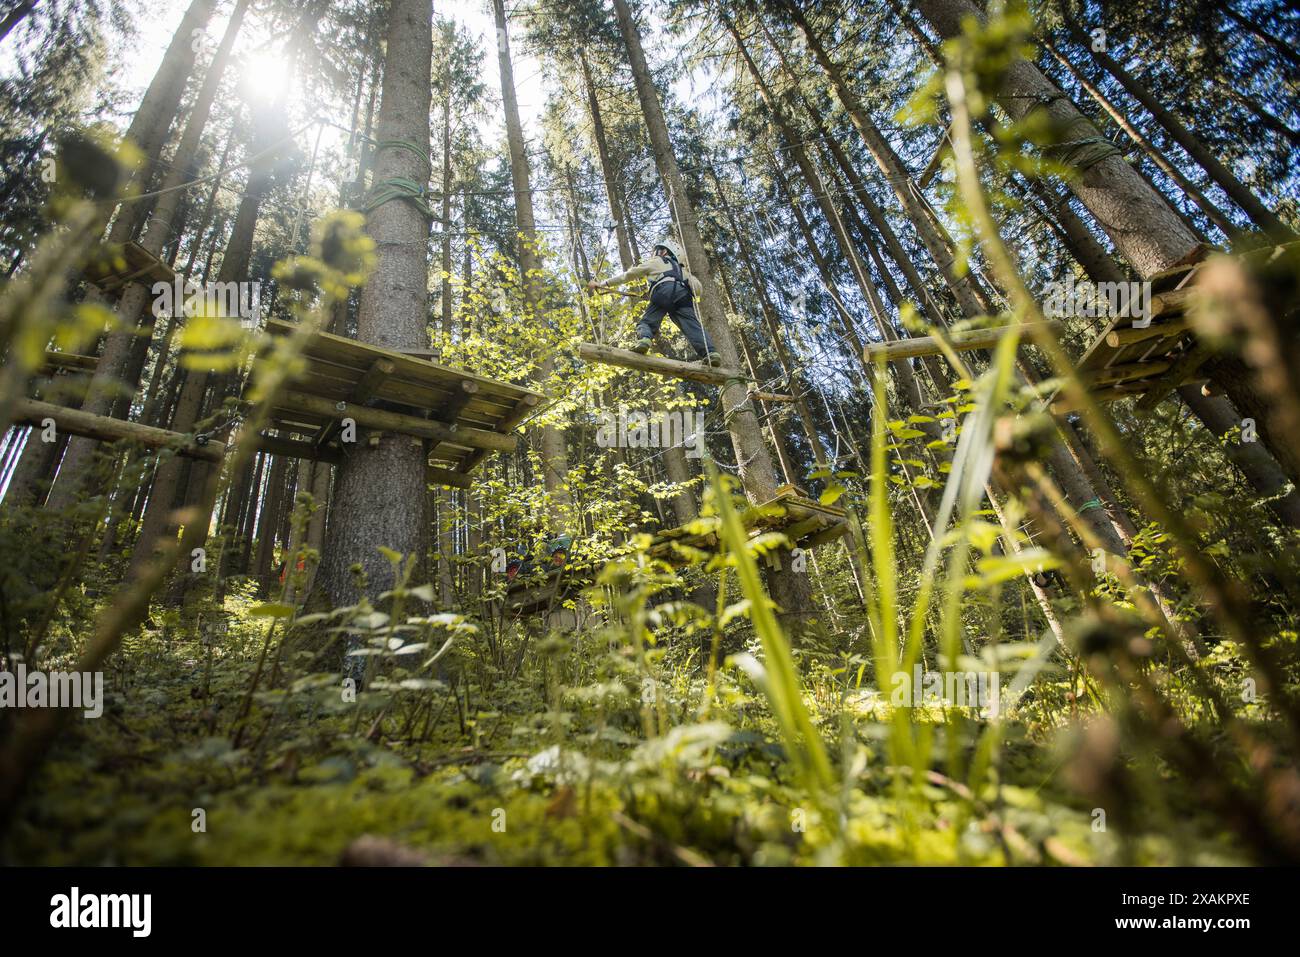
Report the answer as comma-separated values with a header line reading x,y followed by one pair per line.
x,y
642,270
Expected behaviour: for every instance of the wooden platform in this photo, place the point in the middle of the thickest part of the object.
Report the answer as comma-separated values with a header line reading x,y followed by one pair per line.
x,y
1151,362
115,266
466,416
806,522
529,595
1127,360
67,362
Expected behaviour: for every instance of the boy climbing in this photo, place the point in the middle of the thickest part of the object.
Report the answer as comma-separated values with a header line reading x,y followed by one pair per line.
x,y
672,293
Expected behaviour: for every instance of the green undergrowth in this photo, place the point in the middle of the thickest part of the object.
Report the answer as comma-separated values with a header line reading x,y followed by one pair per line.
x,y
539,772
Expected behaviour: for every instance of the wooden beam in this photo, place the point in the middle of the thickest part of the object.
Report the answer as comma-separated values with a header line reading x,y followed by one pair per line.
x,y
362,393
370,381
295,449
1129,371
455,405
522,410
105,428
439,476
769,396
929,345
70,361
386,421
608,355
1184,368
1118,338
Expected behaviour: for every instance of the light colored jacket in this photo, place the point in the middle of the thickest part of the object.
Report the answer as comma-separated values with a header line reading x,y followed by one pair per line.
x,y
654,269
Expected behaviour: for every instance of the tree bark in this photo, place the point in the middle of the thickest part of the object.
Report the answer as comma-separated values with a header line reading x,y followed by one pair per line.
x,y
380,493
554,455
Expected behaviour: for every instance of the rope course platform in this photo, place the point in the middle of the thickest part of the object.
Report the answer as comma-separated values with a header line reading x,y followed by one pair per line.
x,y
68,362
116,266
1148,362
466,416
806,522
560,583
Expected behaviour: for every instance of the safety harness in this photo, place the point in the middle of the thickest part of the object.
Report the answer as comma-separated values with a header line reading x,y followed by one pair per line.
x,y
674,273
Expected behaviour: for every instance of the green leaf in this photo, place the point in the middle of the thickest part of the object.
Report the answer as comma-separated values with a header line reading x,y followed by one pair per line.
x,y
831,495
272,610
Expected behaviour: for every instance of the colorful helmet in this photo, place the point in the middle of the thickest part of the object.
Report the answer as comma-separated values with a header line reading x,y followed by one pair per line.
x,y
672,247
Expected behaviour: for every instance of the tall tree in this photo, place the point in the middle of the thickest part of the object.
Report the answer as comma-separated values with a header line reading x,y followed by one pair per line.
x,y
789,588
380,495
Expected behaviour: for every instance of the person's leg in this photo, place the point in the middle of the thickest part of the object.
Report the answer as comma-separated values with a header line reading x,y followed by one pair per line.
x,y
684,317
649,325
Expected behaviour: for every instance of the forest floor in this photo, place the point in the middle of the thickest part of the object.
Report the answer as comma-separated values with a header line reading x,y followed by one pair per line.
x,y
560,764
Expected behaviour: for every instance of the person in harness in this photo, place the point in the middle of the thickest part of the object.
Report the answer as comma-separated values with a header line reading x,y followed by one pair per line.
x,y
672,293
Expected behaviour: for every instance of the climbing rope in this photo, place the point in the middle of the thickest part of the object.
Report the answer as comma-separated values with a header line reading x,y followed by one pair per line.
x,y
399,187
1086,147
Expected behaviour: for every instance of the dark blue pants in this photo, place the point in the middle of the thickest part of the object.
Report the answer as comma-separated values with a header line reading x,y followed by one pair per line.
x,y
673,299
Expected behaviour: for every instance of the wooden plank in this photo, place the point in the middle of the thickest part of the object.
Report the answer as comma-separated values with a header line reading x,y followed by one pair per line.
x,y
387,421
769,396
526,407
1183,369
438,476
104,428
481,412
70,361
1119,338
360,354
608,355
961,342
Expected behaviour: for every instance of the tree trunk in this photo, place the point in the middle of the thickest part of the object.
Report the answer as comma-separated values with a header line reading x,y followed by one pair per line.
x,y
625,253
1153,153
789,589
1238,191
1146,231
15,17
380,492
148,131
555,465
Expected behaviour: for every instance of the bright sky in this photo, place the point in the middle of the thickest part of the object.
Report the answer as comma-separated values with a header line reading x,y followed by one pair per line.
x,y
475,15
